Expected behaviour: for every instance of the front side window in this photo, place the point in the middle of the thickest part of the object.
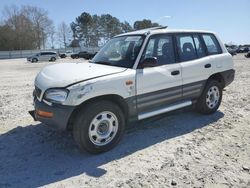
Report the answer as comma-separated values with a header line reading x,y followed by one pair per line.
x,y
186,47
212,44
161,48
120,51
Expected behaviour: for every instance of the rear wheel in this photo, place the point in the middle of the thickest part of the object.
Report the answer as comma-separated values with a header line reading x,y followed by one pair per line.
x,y
211,97
99,127
34,60
53,59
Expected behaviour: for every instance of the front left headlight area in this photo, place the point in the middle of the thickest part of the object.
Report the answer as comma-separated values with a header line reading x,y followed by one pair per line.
x,y
56,95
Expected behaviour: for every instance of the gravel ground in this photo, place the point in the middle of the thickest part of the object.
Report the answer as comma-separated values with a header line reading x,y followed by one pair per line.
x,y
181,149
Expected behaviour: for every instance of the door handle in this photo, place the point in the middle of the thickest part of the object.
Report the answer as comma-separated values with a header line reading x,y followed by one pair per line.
x,y
207,65
176,72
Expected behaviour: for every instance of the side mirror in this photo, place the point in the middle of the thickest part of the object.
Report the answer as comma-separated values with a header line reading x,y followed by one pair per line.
x,y
148,62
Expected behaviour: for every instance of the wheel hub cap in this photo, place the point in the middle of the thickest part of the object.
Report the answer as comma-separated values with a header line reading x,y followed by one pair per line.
x,y
103,128
213,97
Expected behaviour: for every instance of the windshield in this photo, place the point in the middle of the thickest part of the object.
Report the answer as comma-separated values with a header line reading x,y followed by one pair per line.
x,y
120,51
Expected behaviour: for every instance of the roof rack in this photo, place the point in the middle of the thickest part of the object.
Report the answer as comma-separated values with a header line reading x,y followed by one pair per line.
x,y
160,27
154,28
144,31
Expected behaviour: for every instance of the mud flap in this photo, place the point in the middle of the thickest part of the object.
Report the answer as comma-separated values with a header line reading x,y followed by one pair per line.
x,y
32,113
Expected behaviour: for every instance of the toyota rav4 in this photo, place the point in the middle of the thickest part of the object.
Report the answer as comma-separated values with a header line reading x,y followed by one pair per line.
x,y
135,76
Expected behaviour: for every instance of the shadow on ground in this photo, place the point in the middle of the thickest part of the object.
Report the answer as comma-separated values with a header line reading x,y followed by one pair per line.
x,y
34,155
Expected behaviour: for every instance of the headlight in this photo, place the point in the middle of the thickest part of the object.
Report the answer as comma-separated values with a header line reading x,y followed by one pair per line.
x,y
56,95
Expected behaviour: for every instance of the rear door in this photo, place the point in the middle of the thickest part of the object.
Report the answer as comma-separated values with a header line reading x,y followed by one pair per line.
x,y
219,60
160,85
195,64
43,56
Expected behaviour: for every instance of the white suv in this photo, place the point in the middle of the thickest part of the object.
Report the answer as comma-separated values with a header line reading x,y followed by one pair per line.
x,y
134,76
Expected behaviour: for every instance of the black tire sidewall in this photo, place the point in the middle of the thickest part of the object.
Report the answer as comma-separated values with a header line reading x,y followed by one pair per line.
x,y
202,104
83,120
34,60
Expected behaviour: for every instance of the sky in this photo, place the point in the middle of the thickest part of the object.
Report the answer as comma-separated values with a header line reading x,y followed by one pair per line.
x,y
229,18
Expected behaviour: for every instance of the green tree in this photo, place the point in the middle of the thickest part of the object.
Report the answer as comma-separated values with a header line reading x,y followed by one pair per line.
x,y
111,26
144,24
126,27
83,25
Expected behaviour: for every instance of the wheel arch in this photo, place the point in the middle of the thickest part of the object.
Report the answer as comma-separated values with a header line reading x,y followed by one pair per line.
x,y
218,77
116,99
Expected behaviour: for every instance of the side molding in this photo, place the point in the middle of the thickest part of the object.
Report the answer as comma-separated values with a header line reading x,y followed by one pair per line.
x,y
164,110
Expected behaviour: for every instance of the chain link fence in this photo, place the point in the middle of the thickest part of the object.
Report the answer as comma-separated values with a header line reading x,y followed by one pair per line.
x,y
27,53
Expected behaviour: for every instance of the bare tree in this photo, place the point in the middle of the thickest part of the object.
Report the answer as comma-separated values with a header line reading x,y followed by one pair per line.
x,y
51,34
64,34
41,22
30,27
20,27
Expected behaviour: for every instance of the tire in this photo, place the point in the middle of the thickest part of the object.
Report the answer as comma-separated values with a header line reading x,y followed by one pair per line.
x,y
210,98
34,60
53,59
99,127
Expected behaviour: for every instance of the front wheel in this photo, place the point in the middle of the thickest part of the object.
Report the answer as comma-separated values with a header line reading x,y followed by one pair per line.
x,y
211,97
99,127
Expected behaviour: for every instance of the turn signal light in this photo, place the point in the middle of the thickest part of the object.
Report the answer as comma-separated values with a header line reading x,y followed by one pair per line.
x,y
129,82
44,114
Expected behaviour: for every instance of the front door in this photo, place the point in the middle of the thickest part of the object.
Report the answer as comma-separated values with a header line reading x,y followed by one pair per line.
x,y
158,85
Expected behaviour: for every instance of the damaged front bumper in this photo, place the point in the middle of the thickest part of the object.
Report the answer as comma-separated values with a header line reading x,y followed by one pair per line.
x,y
56,116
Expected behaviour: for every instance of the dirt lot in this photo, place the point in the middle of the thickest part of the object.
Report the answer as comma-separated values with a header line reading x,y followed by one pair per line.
x,y
182,149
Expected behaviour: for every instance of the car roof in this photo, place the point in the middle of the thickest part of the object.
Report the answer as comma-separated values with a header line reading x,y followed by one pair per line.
x,y
160,30
48,52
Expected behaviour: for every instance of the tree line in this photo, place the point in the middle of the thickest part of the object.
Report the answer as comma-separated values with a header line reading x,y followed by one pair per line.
x,y
24,28
94,30
29,27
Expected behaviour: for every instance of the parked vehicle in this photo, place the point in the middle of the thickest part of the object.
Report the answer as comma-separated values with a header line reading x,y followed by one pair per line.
x,y
243,50
232,51
62,55
43,56
134,76
247,55
83,54
66,54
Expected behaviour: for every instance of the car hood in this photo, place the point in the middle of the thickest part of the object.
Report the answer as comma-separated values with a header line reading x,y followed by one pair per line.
x,y
65,74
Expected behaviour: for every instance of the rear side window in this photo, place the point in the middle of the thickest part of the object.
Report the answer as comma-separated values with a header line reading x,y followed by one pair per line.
x,y
199,47
212,44
186,47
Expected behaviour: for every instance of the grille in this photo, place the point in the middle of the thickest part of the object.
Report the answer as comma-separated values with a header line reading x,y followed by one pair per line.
x,y
38,92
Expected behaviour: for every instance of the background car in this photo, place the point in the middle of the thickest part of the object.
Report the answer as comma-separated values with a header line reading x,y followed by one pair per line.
x,y
83,54
232,51
66,54
243,50
43,56
247,55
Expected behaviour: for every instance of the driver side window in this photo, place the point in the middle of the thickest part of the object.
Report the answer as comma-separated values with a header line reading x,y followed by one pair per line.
x,y
161,48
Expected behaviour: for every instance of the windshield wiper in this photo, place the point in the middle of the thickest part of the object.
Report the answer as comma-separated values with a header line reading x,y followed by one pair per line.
x,y
101,62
